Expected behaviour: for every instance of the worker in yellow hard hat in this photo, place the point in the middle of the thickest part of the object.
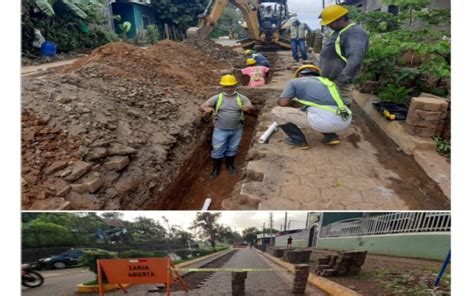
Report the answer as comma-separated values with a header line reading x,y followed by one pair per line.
x,y
258,57
313,103
255,72
228,109
343,53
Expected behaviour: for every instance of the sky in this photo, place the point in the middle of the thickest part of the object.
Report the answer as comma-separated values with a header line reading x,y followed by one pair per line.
x,y
237,220
308,10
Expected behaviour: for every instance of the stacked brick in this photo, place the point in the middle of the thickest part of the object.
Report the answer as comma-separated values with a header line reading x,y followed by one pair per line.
x,y
298,256
427,116
344,263
301,279
238,283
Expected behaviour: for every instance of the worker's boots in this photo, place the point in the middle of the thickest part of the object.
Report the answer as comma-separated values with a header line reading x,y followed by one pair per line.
x,y
330,139
216,163
230,165
295,137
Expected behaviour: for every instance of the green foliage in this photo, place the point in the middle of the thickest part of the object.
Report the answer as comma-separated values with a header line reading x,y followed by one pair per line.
x,y
228,24
208,228
406,62
443,147
374,21
46,233
137,254
178,13
77,7
68,30
152,34
89,259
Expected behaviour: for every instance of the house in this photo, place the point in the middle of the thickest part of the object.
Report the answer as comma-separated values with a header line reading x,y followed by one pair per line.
x,y
138,12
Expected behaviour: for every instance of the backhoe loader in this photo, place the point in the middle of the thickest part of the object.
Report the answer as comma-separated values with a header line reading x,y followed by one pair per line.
x,y
265,27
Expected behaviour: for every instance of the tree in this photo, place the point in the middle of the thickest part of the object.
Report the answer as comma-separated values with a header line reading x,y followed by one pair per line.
x,y
112,215
250,234
177,13
228,24
147,229
207,227
78,7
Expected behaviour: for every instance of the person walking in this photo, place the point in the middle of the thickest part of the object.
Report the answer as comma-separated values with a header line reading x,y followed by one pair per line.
x,y
228,109
343,52
298,36
312,102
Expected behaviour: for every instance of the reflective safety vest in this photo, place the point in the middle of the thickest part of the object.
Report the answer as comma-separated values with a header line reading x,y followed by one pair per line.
x,y
220,99
341,110
338,42
297,32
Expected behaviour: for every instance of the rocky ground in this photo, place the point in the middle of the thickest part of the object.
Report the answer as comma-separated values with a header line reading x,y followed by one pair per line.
x,y
111,130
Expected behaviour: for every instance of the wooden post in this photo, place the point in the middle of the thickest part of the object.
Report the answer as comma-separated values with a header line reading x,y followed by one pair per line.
x,y
99,277
180,279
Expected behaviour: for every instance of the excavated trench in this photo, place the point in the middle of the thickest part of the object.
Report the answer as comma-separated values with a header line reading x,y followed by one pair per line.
x,y
192,186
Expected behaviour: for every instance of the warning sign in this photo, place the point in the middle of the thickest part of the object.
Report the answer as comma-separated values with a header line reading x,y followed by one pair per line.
x,y
137,271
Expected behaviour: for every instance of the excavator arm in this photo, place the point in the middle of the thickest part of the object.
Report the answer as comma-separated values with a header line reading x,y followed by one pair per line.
x,y
208,19
249,9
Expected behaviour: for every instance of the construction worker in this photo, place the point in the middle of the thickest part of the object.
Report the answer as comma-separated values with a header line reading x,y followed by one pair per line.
x,y
343,52
228,109
316,105
298,39
260,58
256,73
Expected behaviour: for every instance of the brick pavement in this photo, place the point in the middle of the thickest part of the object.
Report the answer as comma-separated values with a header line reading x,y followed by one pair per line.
x,y
364,172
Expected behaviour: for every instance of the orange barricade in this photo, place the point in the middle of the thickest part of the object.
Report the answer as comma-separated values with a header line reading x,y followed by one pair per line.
x,y
137,271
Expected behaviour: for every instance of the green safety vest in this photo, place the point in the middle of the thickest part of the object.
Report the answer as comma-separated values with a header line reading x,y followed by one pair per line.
x,y
338,42
341,110
220,99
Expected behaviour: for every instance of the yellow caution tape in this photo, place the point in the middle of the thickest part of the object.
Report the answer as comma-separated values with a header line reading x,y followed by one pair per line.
x,y
227,269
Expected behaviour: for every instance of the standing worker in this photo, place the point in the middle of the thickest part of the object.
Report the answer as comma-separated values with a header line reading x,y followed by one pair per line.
x,y
258,57
256,73
298,36
313,102
289,241
228,110
343,53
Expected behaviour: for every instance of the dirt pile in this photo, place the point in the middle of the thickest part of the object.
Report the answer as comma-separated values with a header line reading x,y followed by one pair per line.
x,y
111,130
217,52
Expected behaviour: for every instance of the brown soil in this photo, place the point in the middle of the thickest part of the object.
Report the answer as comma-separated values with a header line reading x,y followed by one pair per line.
x,y
417,189
382,275
219,188
120,101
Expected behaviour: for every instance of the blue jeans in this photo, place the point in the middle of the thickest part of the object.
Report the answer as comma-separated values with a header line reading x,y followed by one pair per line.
x,y
225,142
294,47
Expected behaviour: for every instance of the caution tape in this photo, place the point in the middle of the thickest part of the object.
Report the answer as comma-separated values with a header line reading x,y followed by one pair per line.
x,y
227,269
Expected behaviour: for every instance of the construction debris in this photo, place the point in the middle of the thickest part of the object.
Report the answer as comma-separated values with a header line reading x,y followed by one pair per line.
x,y
344,263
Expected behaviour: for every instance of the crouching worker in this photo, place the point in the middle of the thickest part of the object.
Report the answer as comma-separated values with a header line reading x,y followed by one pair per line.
x,y
256,73
228,110
311,101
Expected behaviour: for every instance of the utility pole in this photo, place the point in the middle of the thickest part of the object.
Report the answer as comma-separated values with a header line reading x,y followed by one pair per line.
x,y
271,228
263,236
289,225
286,216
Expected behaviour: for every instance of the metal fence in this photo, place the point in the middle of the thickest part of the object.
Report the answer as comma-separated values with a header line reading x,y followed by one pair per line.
x,y
406,222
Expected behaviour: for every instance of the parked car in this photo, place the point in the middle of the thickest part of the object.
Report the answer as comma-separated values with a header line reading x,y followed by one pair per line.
x,y
67,259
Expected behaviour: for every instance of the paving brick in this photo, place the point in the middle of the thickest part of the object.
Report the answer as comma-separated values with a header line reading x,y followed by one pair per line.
x,y
300,193
54,167
429,104
79,169
420,131
422,123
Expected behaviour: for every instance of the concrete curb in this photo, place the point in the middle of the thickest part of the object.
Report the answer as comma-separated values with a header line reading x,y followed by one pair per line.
x,y
422,149
197,260
330,287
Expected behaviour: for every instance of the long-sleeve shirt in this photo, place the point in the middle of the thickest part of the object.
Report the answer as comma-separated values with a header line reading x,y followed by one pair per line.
x,y
354,44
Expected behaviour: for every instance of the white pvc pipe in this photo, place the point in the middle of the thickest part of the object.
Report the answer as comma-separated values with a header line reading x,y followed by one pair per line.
x,y
207,204
263,138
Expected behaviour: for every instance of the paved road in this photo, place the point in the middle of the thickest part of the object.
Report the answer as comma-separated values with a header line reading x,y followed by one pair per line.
x,y
60,282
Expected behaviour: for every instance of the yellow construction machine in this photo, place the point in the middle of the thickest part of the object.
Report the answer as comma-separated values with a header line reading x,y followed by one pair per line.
x,y
266,21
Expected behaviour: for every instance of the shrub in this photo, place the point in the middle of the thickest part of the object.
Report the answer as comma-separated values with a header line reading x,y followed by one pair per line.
x,y
89,259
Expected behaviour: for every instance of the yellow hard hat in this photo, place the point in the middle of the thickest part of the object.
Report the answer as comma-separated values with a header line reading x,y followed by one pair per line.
x,y
309,67
251,61
228,80
332,13
248,51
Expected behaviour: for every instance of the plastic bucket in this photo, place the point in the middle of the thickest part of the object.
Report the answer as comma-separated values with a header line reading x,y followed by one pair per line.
x,y
48,49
